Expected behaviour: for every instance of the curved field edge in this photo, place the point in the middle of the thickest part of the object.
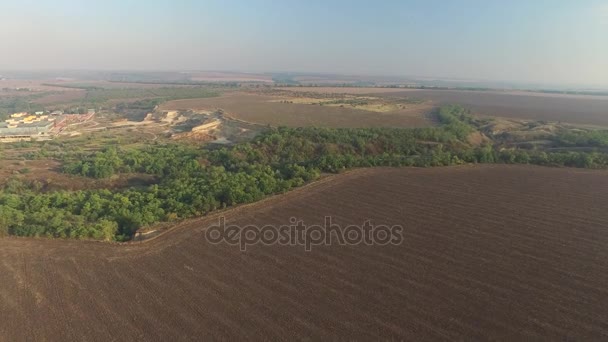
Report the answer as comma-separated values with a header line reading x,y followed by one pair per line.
x,y
182,229
327,180
490,252
169,232
322,184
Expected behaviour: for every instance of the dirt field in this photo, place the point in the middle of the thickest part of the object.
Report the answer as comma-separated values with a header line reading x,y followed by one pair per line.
x,y
344,90
567,108
123,85
260,109
62,97
34,85
576,109
489,253
38,92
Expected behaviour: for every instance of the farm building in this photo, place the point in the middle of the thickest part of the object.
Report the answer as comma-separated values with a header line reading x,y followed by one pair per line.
x,y
22,128
32,128
19,115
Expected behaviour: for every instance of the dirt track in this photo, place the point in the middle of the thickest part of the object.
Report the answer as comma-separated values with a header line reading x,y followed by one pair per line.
x,y
492,252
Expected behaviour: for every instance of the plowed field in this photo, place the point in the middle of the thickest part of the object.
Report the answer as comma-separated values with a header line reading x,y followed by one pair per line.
x,y
261,110
489,252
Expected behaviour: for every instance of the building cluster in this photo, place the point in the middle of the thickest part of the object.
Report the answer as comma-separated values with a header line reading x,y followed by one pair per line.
x,y
25,126
22,126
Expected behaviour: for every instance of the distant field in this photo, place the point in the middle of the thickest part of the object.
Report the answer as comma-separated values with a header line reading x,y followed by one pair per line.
x,y
591,110
33,95
489,253
260,109
57,92
91,94
120,85
343,90
576,109
61,97
34,85
211,76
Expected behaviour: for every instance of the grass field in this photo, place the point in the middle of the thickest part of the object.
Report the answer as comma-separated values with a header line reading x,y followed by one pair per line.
x,y
489,253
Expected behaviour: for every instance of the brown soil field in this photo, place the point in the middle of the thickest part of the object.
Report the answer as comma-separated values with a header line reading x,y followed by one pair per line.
x,y
212,76
576,109
343,90
259,109
489,253
591,110
34,85
123,85
61,97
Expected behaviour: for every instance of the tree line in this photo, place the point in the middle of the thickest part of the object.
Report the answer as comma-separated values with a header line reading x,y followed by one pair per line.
x,y
194,180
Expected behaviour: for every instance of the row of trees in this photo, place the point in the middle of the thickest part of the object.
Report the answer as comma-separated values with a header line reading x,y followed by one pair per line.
x,y
104,214
581,138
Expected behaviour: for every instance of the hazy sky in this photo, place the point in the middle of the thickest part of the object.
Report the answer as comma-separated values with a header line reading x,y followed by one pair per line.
x,y
532,40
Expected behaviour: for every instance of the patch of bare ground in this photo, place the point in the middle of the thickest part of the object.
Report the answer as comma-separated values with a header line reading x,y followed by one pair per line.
x,y
194,136
477,139
489,253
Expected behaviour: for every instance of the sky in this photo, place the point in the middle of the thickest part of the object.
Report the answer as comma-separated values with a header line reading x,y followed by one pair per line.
x,y
537,41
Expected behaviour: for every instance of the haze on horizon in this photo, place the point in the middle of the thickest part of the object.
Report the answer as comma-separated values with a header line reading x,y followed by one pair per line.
x,y
544,42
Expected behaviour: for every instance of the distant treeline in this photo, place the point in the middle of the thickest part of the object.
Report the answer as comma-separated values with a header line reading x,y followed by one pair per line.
x,y
218,84
14,104
288,81
572,92
573,138
73,86
194,181
280,82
